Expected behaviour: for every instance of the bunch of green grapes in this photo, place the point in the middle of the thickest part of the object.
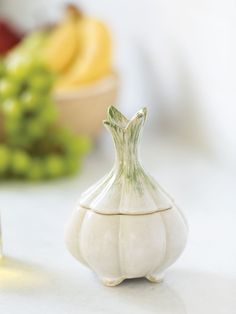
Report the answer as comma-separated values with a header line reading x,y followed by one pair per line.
x,y
26,102
56,156
33,146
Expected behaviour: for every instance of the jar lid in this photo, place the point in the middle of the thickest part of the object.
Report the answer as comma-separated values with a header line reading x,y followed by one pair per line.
x,y
106,198
127,188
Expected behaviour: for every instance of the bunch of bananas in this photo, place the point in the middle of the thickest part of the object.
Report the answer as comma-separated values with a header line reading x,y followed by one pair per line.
x,y
78,50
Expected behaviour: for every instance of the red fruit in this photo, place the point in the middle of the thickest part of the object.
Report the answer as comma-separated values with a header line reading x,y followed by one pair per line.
x,y
9,37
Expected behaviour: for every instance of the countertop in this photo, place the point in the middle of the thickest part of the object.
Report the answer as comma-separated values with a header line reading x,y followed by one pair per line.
x,y
39,276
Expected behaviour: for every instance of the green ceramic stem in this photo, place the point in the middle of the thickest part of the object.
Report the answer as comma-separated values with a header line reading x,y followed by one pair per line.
x,y
125,136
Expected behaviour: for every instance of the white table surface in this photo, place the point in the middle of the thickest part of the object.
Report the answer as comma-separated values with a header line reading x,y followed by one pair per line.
x,y
38,275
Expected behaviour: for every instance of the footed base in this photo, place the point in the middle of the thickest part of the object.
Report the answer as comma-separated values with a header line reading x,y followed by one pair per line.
x,y
156,277
112,282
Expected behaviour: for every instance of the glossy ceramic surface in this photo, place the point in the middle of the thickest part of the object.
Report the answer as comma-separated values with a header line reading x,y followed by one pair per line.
x,y
126,225
117,247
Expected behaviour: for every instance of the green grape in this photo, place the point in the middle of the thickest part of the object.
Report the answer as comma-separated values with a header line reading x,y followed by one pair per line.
x,y
20,162
84,143
12,126
5,156
48,114
54,165
34,128
40,82
18,66
62,136
7,88
36,170
78,145
72,165
29,100
19,140
44,99
12,108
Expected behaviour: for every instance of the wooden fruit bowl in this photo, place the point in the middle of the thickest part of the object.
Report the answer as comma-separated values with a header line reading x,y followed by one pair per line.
x,y
84,109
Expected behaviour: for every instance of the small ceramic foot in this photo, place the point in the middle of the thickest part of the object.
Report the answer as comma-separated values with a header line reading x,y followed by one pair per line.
x,y
112,282
156,277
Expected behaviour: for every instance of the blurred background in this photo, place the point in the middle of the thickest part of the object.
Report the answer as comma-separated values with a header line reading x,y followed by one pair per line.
x,y
178,57
175,57
57,80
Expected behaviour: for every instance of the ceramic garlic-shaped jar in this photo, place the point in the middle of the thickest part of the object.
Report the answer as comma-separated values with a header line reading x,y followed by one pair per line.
x,y
126,225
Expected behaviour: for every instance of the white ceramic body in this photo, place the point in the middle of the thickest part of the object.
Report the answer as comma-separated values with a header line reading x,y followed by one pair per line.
x,y
117,247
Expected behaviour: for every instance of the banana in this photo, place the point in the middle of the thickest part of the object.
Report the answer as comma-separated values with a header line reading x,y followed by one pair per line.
x,y
94,55
62,43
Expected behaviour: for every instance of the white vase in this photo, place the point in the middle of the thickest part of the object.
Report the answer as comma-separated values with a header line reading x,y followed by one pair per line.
x,y
126,225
